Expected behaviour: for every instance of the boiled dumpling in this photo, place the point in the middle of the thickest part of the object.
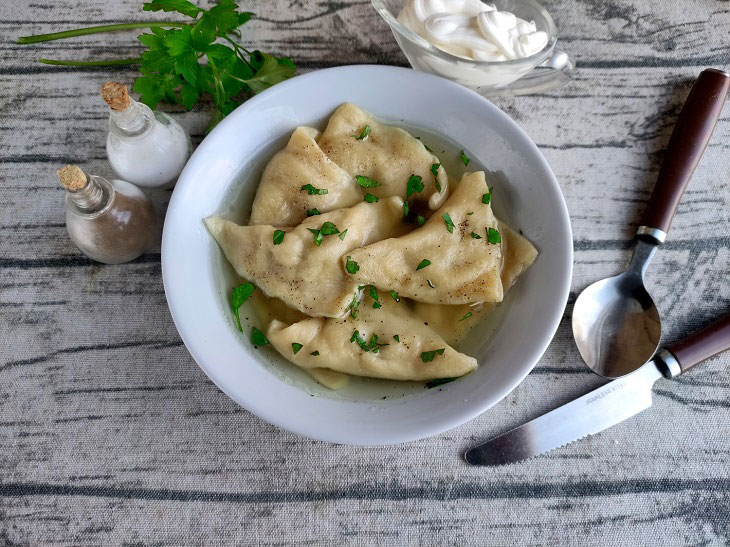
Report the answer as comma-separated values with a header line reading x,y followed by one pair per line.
x,y
280,200
305,276
454,322
389,155
420,354
449,260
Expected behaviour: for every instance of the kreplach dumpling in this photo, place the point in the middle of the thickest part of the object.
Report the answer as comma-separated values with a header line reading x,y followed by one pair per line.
x,y
455,322
280,198
454,258
388,155
305,275
366,346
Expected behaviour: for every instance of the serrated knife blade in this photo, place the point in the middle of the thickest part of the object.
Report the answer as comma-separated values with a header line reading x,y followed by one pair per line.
x,y
600,409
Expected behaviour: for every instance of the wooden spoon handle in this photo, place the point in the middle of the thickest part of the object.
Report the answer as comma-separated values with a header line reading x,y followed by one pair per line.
x,y
703,344
686,146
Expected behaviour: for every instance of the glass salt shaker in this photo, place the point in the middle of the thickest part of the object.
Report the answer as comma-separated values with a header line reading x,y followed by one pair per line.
x,y
144,147
109,221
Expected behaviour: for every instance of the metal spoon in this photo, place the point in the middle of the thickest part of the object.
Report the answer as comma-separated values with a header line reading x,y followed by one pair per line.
x,y
616,325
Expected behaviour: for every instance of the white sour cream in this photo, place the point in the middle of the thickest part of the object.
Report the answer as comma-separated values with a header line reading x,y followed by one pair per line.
x,y
472,29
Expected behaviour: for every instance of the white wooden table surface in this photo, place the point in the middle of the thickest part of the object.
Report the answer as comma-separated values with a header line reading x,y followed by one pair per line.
x,y
110,434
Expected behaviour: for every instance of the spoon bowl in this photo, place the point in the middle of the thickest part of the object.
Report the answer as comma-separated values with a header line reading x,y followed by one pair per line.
x,y
616,325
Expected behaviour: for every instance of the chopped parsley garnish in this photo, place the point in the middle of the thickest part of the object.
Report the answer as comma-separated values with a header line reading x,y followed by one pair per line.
x,y
438,382
406,209
372,346
351,266
374,296
295,346
428,356
449,222
430,284
396,338
354,304
435,171
487,198
239,297
317,236
394,295
258,338
475,235
470,213
493,236
415,184
312,191
425,262
313,212
370,198
278,236
314,353
466,316
342,234
464,159
329,229
420,220
364,133
366,182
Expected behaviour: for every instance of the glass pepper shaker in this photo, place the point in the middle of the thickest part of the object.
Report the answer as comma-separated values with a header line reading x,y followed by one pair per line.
x,y
144,147
109,221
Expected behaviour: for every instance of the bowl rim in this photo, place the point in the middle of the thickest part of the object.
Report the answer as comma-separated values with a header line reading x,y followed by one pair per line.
x,y
534,59
195,346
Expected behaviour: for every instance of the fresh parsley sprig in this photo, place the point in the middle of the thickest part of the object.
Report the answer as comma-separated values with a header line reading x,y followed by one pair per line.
x,y
187,60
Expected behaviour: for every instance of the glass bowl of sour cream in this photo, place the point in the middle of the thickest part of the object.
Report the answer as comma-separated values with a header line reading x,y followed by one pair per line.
x,y
506,47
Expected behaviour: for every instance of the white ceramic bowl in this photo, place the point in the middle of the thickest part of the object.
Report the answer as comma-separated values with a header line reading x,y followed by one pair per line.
x,y
223,170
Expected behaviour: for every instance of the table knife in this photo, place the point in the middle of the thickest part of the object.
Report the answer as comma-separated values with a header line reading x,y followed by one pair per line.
x,y
608,405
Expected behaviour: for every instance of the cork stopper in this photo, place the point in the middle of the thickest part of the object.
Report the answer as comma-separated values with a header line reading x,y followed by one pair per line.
x,y
116,95
72,178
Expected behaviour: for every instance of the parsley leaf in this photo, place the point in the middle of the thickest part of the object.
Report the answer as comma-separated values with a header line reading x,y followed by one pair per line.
x,y
342,234
354,304
366,182
360,341
435,171
420,220
396,338
351,266
449,222
466,316
370,198
475,235
425,262
394,295
315,353
258,338
464,159
317,236
295,346
406,209
438,382
493,236
313,212
374,296
312,191
487,198
278,236
364,133
181,6
329,229
238,298
428,356
415,184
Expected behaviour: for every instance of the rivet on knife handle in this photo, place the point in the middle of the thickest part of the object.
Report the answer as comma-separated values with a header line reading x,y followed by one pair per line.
x,y
703,344
686,146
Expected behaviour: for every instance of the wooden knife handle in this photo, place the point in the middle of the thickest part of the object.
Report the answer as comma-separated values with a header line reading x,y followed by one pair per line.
x,y
686,146
703,344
